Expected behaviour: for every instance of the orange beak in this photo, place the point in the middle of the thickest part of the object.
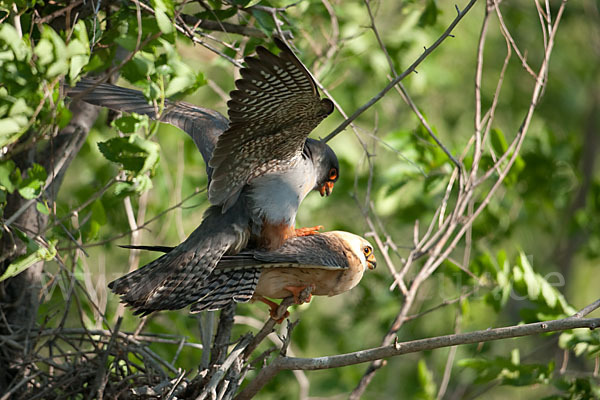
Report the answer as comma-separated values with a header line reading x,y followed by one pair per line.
x,y
326,188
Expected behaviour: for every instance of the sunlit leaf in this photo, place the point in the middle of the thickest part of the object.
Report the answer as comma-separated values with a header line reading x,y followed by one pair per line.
x,y
35,254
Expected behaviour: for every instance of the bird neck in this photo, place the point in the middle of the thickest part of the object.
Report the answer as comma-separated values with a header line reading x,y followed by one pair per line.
x,y
275,197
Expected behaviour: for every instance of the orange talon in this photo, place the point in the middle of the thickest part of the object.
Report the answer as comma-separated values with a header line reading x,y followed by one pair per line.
x,y
308,231
273,309
302,294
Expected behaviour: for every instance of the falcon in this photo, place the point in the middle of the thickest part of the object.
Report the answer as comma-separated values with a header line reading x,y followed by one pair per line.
x,y
260,166
324,264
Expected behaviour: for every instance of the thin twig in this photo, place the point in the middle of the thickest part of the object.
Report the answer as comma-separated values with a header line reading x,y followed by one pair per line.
x,y
403,75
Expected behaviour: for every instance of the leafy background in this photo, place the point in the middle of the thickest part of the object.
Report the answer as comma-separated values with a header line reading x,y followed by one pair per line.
x,y
534,250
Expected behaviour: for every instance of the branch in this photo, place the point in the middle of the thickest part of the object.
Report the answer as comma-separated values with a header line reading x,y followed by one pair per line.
x,y
414,346
399,78
211,388
224,27
142,226
268,326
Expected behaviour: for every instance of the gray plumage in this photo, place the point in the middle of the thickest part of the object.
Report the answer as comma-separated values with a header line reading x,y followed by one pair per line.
x,y
203,125
264,154
272,112
274,109
175,279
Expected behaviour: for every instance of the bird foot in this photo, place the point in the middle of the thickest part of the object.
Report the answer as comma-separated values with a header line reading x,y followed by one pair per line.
x,y
273,308
302,294
308,231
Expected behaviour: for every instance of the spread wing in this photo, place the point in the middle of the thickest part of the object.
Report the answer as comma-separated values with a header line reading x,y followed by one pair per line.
x,y
275,107
202,124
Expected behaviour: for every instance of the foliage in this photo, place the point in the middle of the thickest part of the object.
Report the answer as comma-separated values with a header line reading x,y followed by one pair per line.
x,y
530,255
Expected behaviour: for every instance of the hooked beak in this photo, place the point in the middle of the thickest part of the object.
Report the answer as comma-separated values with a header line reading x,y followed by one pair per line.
x,y
326,188
371,262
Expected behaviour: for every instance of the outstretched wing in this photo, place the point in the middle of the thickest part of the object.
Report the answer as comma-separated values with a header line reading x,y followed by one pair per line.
x,y
202,124
275,107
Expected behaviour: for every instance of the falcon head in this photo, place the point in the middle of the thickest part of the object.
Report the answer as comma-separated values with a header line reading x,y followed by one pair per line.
x,y
326,165
361,248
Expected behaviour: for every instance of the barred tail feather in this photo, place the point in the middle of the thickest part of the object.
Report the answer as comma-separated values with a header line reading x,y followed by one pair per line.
x,y
164,283
226,287
177,278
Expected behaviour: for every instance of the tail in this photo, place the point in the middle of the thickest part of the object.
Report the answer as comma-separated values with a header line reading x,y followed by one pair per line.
x,y
161,249
227,286
202,124
176,279
163,284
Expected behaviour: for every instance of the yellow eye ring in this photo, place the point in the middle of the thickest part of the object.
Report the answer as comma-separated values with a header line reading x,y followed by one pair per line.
x,y
367,251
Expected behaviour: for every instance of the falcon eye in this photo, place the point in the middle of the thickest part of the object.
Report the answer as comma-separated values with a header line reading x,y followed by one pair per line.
x,y
367,251
333,174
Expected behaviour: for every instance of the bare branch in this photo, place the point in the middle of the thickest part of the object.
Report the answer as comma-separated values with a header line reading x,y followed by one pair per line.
x,y
403,75
396,349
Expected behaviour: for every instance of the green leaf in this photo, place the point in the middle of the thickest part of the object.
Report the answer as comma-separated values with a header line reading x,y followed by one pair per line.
x,y
10,36
133,153
217,15
498,141
42,207
78,49
10,175
128,42
64,116
265,20
79,271
164,22
551,304
20,107
529,277
179,84
35,254
246,3
10,130
140,67
96,221
51,53
31,186
131,123
509,370
120,150
138,185
124,189
165,6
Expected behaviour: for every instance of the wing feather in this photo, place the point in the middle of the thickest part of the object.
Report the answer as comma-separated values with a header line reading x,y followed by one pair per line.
x,y
202,124
273,110
321,251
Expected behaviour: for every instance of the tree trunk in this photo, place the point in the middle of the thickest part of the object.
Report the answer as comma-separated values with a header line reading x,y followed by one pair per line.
x,y
19,296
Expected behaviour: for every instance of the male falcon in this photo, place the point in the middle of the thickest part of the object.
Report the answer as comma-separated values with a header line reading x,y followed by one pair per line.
x,y
263,165
327,264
